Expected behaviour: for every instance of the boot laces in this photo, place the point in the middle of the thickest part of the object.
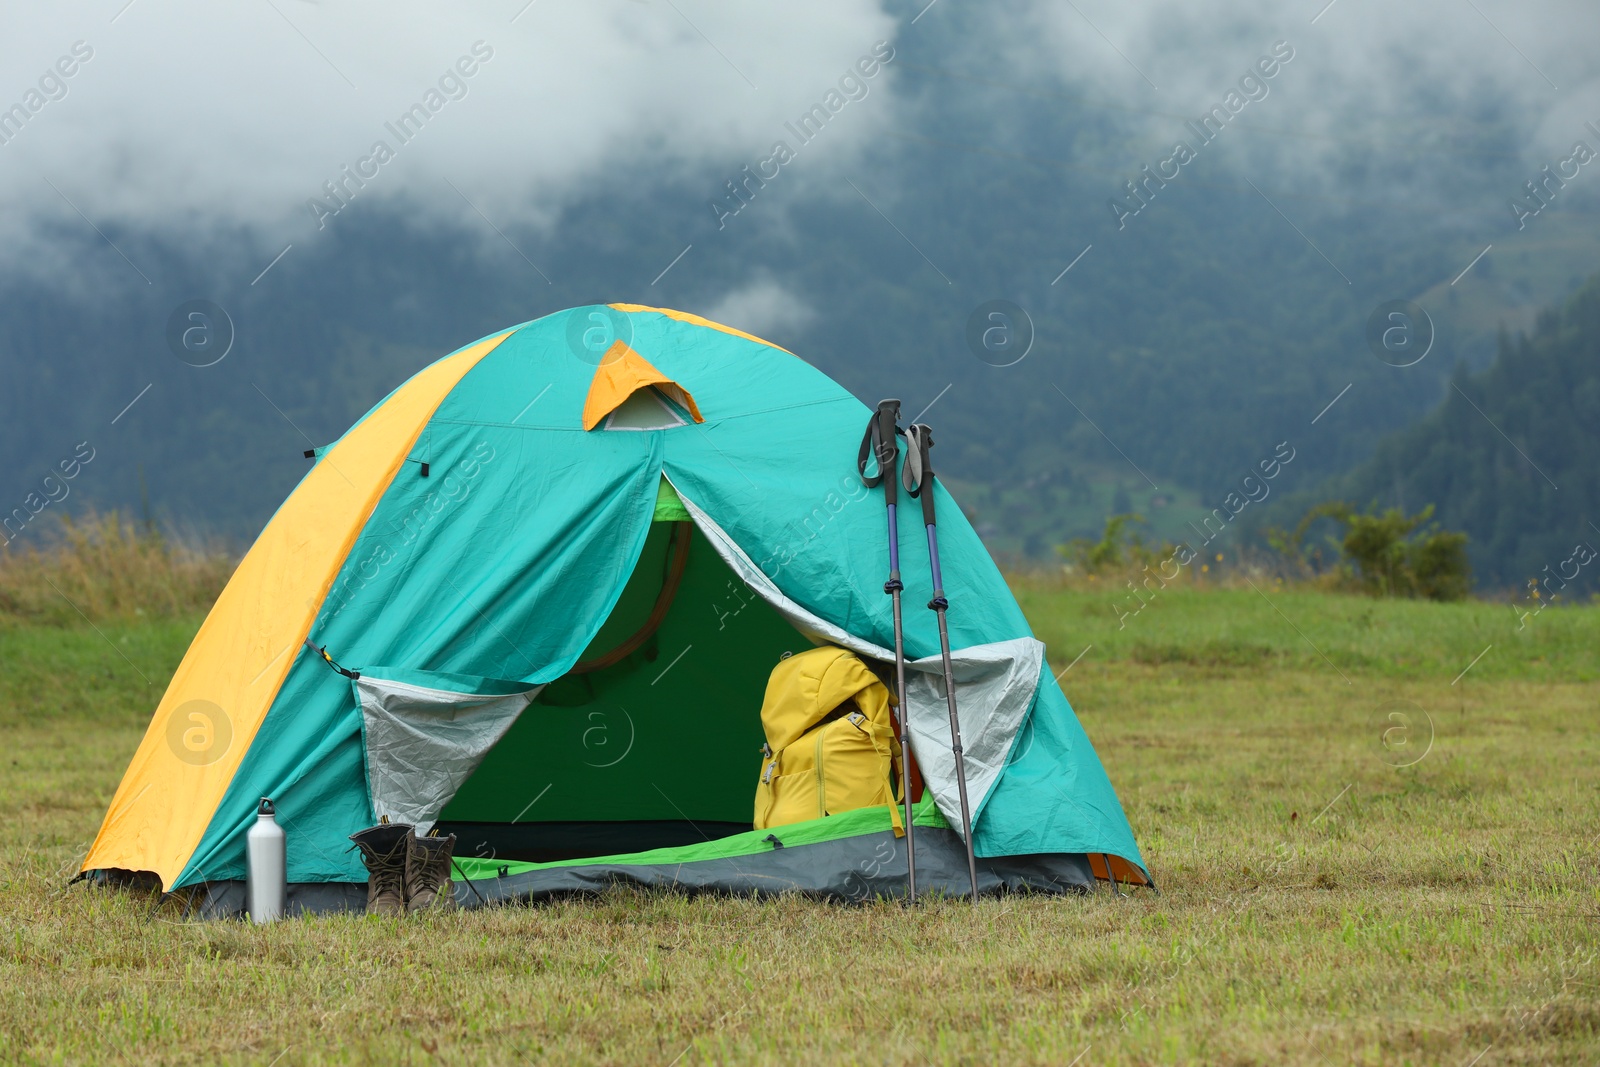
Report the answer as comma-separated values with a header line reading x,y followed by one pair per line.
x,y
387,869
434,870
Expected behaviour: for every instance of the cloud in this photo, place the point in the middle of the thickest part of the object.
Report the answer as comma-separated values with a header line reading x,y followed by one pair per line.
x,y
1434,83
193,118
763,308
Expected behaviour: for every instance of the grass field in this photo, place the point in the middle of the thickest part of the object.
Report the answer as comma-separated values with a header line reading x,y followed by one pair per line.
x,y
1326,897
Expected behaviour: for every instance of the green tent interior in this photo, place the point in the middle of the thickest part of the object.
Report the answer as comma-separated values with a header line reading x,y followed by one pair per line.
x,y
689,695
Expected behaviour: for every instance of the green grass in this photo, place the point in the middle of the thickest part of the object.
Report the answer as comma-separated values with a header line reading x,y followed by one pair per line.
x,y
1273,626
1319,905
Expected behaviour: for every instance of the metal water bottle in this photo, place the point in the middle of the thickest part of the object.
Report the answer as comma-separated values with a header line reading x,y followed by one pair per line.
x,y
268,878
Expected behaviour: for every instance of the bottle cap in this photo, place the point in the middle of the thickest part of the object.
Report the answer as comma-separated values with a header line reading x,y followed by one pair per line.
x,y
266,807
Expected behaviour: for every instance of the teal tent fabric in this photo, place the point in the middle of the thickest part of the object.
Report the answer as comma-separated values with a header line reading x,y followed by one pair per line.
x,y
505,561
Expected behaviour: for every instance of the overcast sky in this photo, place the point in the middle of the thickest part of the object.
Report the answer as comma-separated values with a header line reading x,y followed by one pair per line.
x,y
193,118
192,113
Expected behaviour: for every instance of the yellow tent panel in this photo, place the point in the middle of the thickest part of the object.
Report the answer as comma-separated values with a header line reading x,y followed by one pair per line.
x,y
234,668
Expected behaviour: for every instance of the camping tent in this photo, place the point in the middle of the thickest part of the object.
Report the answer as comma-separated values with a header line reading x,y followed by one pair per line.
x,y
563,561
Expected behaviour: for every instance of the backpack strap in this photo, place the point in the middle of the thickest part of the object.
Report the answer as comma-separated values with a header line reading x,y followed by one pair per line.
x,y
894,813
894,807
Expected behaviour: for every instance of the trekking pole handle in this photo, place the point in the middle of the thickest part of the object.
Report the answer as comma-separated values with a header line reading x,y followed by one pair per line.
x,y
880,442
920,437
888,449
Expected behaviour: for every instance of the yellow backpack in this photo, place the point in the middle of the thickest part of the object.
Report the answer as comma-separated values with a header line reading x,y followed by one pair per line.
x,y
830,741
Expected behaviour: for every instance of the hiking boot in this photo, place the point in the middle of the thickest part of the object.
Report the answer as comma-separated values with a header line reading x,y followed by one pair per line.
x,y
428,873
383,850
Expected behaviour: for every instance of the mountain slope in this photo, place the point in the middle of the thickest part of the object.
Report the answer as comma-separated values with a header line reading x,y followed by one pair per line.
x,y
1509,456
1180,350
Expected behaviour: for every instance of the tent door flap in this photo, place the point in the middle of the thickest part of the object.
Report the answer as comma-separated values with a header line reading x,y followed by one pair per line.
x,y
425,732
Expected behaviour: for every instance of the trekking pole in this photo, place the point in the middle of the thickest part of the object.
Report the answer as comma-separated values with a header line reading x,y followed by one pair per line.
x,y
919,473
880,441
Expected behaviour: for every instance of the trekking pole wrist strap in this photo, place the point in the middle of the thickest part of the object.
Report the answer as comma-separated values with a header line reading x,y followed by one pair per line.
x,y
879,441
917,474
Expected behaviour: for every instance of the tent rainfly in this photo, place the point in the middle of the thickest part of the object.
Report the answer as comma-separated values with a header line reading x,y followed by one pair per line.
x,y
563,561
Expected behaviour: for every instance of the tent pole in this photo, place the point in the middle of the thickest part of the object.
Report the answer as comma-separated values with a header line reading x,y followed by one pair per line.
x,y
880,440
919,441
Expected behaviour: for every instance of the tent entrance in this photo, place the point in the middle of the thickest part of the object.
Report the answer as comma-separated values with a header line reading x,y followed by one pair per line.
x,y
660,748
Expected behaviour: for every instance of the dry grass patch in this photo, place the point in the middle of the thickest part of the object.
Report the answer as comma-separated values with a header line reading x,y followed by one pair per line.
x,y
1318,905
102,568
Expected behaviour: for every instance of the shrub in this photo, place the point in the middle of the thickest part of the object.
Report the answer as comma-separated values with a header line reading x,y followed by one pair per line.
x,y
1120,547
1388,553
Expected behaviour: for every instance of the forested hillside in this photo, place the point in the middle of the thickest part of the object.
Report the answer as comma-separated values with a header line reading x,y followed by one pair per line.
x,y
1509,456
1183,345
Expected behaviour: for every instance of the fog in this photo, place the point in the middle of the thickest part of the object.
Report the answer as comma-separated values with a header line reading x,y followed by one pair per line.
x,y
201,120
207,123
